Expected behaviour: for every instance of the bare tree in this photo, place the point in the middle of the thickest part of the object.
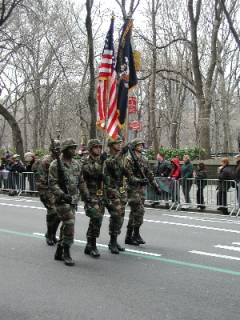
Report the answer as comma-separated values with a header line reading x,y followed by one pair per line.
x,y
6,9
91,93
132,7
204,90
230,22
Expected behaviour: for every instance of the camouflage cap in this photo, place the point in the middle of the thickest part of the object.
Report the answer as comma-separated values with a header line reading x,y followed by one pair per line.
x,y
136,142
68,143
111,141
55,145
93,143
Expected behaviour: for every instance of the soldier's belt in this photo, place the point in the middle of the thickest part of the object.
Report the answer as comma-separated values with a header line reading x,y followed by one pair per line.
x,y
99,192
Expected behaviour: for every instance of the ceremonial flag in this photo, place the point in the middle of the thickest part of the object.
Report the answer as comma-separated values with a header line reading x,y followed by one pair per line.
x,y
107,115
125,68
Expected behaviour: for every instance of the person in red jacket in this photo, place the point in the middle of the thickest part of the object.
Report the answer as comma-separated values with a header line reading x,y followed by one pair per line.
x,y
175,175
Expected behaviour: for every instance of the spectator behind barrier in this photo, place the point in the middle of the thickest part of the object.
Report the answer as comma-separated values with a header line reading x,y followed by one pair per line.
x,y
224,174
186,176
175,175
163,166
29,160
15,167
236,176
201,182
3,173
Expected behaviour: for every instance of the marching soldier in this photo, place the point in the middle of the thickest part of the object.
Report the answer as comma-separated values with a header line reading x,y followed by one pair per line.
x,y
115,176
65,182
92,171
41,170
139,176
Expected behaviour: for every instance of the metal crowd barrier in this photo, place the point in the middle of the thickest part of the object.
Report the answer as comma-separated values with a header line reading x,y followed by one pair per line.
x,y
210,193
204,193
169,195
16,183
238,197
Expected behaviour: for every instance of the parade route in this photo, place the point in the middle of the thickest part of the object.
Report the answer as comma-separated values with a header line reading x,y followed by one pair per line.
x,y
188,269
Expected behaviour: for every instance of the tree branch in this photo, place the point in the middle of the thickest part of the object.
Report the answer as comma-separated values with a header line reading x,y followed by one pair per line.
x,y
230,23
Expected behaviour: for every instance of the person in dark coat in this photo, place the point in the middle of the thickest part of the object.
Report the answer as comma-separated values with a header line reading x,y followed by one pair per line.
x,y
162,171
163,167
16,167
224,175
186,175
201,182
237,176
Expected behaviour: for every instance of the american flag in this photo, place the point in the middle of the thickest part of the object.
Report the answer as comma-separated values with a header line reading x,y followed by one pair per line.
x,y
107,114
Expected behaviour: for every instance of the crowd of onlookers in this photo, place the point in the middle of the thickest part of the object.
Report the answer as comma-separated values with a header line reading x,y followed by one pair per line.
x,y
227,177
11,165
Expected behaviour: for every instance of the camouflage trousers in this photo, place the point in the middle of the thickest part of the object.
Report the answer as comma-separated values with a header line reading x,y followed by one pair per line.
x,y
48,201
136,202
66,213
95,211
116,208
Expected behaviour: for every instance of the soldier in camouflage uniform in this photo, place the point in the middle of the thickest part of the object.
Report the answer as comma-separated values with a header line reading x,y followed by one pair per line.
x,y
40,169
115,190
136,192
67,194
92,171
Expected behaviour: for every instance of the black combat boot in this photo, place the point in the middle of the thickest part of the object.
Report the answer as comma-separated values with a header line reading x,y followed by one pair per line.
x,y
94,252
59,253
88,247
54,230
49,236
66,256
120,248
129,238
137,237
113,245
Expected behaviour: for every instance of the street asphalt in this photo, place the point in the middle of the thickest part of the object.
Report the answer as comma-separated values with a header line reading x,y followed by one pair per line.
x,y
189,268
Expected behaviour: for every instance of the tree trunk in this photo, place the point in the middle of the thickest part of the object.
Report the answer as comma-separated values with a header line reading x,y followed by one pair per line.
x,y
204,128
152,94
204,97
37,113
16,132
91,93
25,117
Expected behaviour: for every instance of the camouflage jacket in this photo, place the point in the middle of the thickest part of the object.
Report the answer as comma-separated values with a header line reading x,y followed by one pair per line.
x,y
41,170
135,175
115,174
92,172
74,180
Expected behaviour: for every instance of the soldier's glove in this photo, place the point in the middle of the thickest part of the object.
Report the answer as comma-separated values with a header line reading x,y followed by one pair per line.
x,y
67,198
103,156
143,182
124,149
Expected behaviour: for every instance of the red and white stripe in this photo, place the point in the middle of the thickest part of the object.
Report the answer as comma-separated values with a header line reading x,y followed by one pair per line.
x,y
107,115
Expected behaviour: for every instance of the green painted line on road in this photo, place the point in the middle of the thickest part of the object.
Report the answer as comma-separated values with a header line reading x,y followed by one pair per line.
x,y
22,234
166,260
186,264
